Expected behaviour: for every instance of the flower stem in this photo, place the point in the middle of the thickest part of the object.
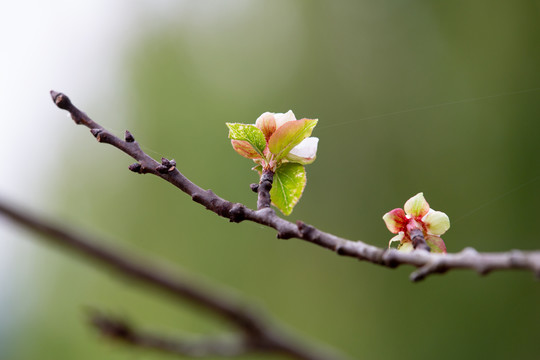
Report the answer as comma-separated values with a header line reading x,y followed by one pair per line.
x,y
265,185
418,240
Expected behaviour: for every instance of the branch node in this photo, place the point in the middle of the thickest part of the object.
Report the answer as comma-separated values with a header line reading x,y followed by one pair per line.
x,y
306,231
237,213
129,137
285,235
266,212
254,187
389,258
469,251
436,265
162,169
516,258
197,197
97,132
166,166
136,168
482,269
340,250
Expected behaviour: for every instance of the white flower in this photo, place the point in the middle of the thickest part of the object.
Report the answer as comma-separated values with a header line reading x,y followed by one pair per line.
x,y
281,118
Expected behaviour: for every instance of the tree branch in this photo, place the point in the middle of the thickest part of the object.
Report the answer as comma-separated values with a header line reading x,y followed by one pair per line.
x,y
428,263
256,328
120,331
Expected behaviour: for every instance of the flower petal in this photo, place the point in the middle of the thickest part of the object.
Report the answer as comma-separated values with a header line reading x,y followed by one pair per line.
x,y
395,220
398,237
406,246
267,124
283,118
436,244
305,152
417,206
437,222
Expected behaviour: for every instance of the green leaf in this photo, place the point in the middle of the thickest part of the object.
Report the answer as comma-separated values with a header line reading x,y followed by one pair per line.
x,y
289,135
289,183
249,133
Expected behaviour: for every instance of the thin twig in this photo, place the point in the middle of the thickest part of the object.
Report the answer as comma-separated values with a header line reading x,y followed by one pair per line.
x,y
418,240
256,327
123,332
483,263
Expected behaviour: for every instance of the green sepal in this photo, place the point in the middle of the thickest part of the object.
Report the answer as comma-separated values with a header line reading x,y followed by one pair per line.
x,y
249,133
289,135
289,183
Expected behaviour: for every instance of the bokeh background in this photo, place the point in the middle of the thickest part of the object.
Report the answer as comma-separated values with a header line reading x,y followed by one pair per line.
x,y
435,96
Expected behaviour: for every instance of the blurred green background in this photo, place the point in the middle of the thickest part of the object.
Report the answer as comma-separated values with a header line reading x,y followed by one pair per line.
x,y
435,96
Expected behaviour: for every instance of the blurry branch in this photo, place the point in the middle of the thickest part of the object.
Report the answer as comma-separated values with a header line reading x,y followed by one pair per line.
x,y
426,262
257,332
121,331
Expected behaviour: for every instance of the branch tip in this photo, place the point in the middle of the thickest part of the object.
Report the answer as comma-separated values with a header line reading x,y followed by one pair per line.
x,y
417,276
113,327
61,100
254,187
136,168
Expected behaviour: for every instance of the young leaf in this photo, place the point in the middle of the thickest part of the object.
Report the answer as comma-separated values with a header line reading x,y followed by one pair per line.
x,y
249,133
245,149
289,183
289,135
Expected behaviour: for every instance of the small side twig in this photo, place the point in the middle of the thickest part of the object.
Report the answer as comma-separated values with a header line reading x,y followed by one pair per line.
x,y
121,331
